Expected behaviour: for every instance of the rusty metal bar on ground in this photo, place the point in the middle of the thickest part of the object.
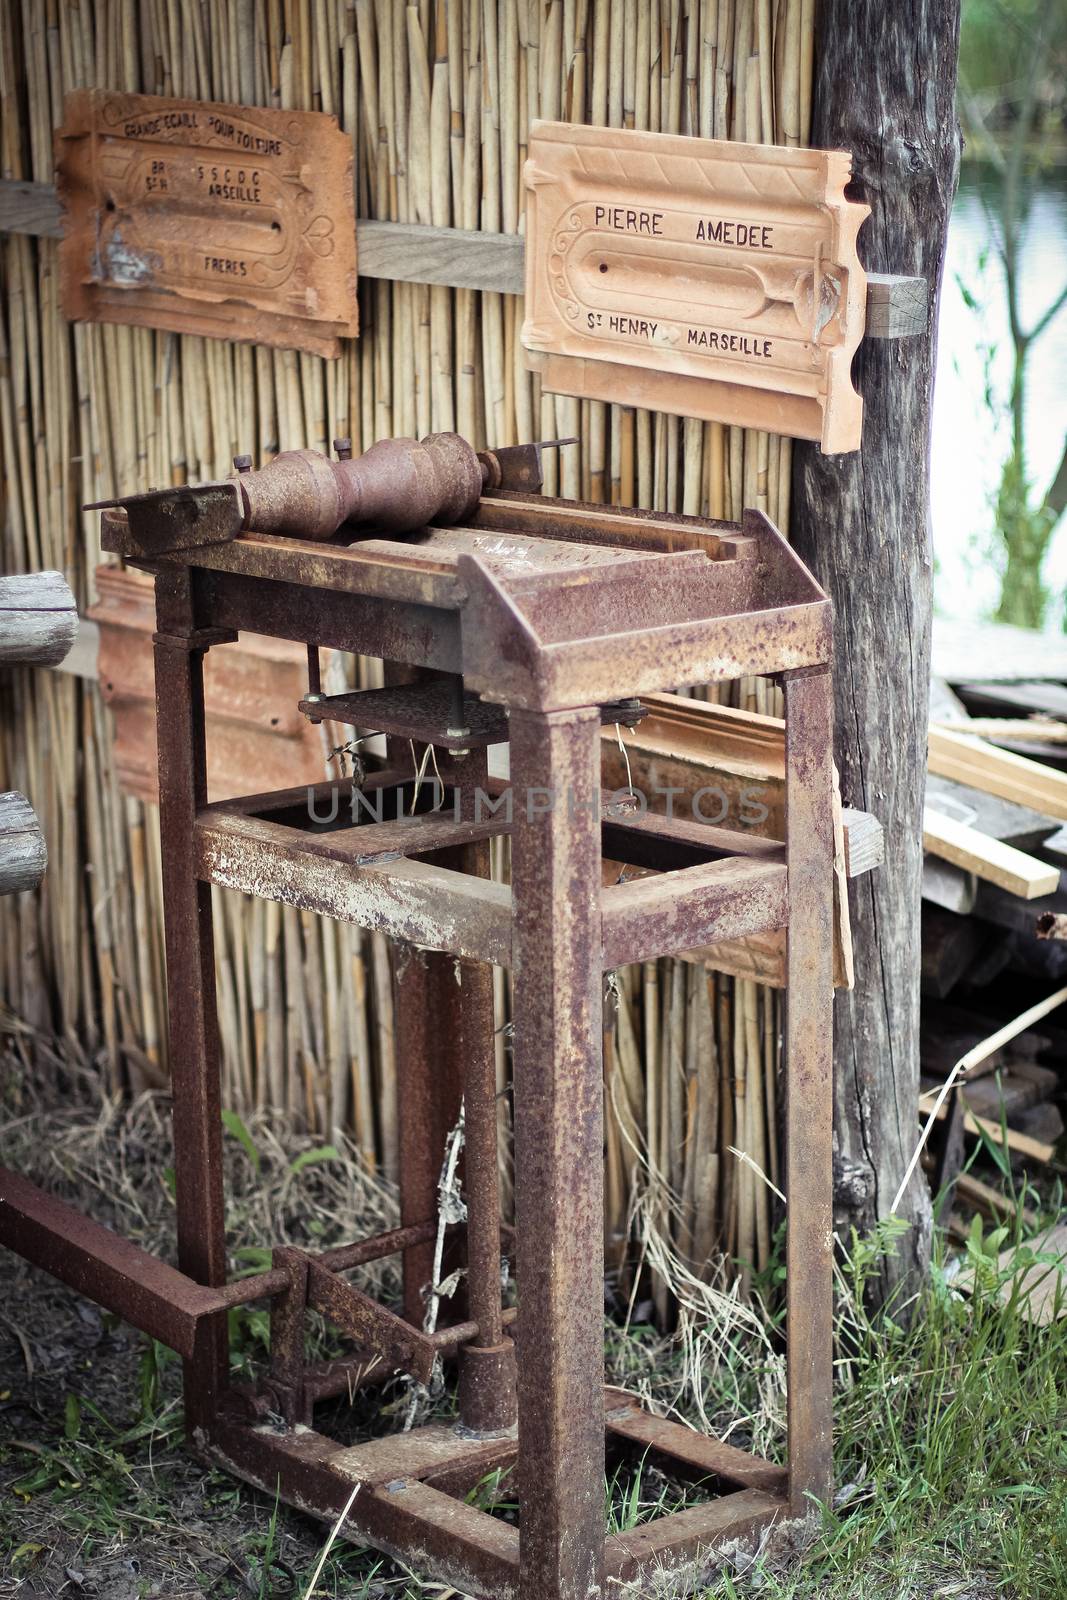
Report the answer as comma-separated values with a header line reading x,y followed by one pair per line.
x,y
499,617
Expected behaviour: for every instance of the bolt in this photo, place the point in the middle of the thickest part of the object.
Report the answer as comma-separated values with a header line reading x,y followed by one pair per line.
x,y
243,463
312,699
343,449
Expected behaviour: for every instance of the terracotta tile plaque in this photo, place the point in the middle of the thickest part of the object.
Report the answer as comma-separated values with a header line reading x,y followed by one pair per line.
x,y
251,691
695,276
198,218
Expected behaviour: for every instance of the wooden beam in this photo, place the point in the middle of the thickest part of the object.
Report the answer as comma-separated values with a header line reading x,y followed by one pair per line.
x,y
987,858
30,208
460,258
455,258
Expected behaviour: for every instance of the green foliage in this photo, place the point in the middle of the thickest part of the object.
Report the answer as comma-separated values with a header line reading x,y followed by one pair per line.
x,y
310,1158
1025,526
950,1440
1013,67
234,1126
994,37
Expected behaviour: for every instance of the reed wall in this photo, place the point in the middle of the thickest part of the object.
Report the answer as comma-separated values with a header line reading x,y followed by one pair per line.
x,y
437,99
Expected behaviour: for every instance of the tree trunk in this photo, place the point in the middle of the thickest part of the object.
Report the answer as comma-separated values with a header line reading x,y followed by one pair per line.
x,y
885,90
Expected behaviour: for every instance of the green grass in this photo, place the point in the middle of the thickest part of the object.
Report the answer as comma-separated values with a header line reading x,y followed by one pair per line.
x,y
950,1448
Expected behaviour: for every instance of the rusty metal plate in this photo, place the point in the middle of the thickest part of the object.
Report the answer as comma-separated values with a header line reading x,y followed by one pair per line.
x,y
211,219
695,276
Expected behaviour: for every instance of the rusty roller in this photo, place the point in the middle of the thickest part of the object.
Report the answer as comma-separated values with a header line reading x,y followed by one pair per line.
x,y
396,486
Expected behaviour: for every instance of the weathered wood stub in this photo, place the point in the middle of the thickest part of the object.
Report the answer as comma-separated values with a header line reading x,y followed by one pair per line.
x,y
38,619
38,623
884,89
23,853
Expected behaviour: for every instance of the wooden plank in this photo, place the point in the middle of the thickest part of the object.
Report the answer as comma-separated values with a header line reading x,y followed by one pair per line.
x,y
460,258
1019,825
949,946
1039,735
1019,698
1000,772
696,906
431,907
987,858
1021,1087
945,885
82,658
456,258
1020,1143
990,1202
1042,1289
1055,845
1039,1291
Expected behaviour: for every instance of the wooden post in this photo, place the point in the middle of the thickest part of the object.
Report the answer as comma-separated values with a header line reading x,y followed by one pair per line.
x,y
861,522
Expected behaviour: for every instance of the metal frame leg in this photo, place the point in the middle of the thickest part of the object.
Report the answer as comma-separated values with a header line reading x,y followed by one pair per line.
x,y
427,1016
559,1158
487,1365
191,1002
809,1082
429,1073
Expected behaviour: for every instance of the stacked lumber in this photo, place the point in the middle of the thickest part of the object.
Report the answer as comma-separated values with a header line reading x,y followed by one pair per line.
x,y
995,899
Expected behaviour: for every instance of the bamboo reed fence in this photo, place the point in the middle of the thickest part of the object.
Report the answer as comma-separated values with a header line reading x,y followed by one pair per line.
x,y
437,98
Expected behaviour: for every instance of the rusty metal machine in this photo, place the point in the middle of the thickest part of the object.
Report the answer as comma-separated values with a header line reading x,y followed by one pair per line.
x,y
502,617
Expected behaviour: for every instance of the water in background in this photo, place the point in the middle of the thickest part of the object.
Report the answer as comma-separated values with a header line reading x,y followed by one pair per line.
x,y
970,441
